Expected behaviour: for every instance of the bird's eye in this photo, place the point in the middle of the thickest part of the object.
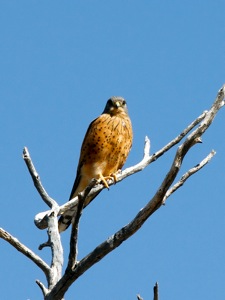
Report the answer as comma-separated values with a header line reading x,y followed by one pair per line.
x,y
110,103
124,103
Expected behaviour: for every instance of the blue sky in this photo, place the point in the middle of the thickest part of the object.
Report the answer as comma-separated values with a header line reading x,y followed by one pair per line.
x,y
59,63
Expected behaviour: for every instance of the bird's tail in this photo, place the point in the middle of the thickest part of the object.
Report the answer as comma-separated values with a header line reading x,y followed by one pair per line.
x,y
66,219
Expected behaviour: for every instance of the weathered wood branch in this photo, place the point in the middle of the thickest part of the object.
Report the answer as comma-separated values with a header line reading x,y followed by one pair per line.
x,y
75,225
36,179
54,241
189,173
157,200
40,219
56,249
148,159
156,291
25,250
58,284
42,287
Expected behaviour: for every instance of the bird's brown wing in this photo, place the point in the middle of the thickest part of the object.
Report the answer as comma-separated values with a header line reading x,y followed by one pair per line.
x,y
104,150
79,184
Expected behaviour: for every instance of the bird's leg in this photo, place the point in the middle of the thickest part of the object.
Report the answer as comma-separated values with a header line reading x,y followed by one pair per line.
x,y
103,180
113,176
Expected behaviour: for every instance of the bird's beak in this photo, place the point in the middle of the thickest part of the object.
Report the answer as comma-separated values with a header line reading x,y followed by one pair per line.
x,y
117,104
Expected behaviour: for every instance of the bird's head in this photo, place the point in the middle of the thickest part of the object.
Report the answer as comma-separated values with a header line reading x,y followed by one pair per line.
x,y
116,105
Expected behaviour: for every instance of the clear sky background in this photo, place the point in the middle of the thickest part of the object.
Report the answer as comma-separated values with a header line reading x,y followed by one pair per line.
x,y
59,63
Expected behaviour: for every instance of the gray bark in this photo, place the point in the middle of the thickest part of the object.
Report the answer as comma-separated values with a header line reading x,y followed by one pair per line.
x,y
58,283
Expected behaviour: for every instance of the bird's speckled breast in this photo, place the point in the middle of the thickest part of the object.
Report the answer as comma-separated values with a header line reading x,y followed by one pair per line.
x,y
108,145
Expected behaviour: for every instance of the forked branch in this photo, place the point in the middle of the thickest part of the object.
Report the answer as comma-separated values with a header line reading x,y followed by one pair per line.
x,y
40,219
25,251
58,284
157,200
156,291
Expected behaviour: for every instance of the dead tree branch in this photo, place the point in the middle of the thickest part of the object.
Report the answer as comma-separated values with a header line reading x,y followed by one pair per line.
x,y
157,200
75,224
40,219
156,291
188,174
36,179
58,284
54,241
25,250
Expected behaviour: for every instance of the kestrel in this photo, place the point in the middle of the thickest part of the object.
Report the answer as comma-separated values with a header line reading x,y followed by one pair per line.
x,y
104,151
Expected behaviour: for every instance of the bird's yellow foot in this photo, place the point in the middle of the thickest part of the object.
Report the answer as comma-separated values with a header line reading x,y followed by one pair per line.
x,y
114,177
104,179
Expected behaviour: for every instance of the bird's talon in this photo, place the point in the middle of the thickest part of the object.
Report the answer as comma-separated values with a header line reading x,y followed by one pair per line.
x,y
113,130
113,176
102,180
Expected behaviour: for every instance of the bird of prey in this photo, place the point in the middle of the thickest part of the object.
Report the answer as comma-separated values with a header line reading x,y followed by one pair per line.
x,y
104,151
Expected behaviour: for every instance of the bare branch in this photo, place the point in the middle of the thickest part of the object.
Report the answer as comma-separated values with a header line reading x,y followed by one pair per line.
x,y
36,179
42,287
56,248
25,250
74,236
57,286
157,200
147,148
43,245
188,174
156,291
74,231
149,159
41,219
51,219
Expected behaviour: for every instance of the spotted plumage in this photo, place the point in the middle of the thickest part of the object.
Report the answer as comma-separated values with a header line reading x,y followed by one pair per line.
x,y
104,151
